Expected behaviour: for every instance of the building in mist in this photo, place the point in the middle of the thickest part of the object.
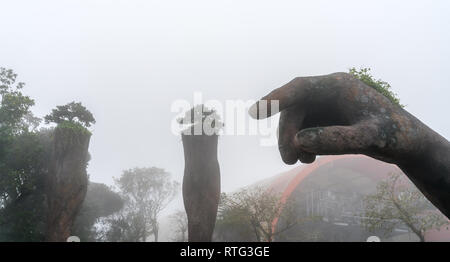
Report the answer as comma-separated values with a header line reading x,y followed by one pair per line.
x,y
330,194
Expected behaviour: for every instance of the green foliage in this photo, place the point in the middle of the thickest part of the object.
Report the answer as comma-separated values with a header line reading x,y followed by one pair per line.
x,y
398,202
24,158
72,112
250,214
231,224
180,222
22,173
381,86
24,218
23,164
146,192
101,201
74,127
14,106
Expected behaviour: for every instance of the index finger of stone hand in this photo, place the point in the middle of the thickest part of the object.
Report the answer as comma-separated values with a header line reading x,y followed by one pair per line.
x,y
292,93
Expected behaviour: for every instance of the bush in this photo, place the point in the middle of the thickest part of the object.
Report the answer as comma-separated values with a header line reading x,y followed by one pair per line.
x,y
381,86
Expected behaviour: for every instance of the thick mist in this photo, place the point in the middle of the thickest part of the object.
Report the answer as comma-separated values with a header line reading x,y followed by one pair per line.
x,y
128,61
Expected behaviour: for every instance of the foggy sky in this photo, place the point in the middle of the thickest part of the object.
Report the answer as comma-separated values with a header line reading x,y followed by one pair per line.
x,y
127,61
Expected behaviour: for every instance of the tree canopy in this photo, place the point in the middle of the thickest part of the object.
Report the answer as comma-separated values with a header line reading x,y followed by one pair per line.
x,y
146,192
250,213
398,202
24,152
14,104
101,201
381,86
72,112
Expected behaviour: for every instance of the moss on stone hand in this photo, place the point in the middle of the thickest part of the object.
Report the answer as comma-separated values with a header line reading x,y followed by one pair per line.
x,y
381,86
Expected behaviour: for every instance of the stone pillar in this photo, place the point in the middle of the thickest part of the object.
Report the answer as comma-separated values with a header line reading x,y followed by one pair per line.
x,y
67,181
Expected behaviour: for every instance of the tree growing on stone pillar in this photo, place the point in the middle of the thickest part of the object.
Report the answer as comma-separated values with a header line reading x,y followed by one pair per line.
x,y
67,180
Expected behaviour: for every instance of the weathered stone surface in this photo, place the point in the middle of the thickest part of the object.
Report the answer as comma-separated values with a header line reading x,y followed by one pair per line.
x,y
201,185
66,184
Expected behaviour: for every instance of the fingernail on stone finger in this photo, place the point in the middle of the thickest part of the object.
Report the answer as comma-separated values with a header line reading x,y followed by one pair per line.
x,y
288,155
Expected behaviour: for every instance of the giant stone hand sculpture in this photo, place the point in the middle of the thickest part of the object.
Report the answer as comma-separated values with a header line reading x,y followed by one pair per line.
x,y
201,181
339,114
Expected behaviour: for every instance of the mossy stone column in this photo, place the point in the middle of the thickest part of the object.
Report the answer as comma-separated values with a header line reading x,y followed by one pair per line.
x,y
67,181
